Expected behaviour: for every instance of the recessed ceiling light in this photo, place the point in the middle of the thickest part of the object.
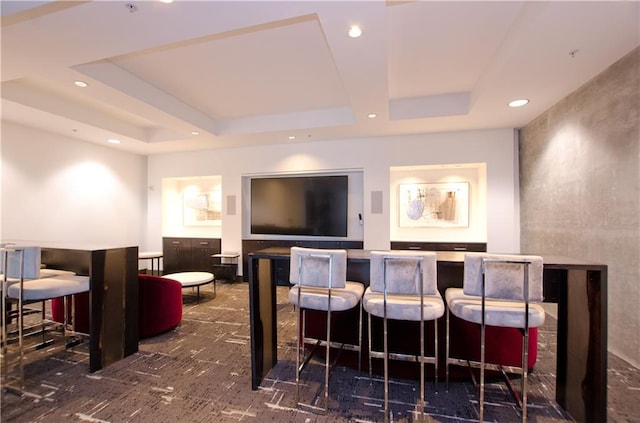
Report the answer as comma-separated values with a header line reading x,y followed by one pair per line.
x,y
292,137
355,31
195,133
113,141
518,103
167,1
372,115
81,84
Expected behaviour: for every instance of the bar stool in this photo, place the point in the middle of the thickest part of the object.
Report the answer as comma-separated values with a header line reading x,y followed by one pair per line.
x,y
23,264
498,290
34,270
403,286
319,283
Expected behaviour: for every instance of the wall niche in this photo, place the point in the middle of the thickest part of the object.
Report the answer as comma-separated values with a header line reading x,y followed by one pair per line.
x,y
192,207
439,203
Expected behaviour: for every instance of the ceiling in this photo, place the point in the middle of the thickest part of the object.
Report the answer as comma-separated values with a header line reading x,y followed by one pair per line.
x,y
243,73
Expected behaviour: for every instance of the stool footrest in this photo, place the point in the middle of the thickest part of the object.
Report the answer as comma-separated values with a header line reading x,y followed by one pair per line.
x,y
488,366
403,357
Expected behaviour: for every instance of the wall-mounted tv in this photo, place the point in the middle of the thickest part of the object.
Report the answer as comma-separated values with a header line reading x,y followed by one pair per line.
x,y
300,205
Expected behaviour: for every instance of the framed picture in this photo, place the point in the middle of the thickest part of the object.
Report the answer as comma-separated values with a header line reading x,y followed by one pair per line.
x,y
203,208
438,205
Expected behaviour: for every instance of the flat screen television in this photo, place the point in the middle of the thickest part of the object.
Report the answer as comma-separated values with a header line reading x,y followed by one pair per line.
x,y
299,205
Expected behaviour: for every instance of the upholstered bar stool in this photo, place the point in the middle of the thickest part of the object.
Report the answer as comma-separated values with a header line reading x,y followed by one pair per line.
x,y
403,286
22,263
27,308
16,264
319,283
498,290
33,269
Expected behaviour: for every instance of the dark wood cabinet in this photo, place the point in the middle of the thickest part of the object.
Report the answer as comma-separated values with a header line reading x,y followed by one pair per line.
x,y
201,252
189,254
439,246
281,269
174,252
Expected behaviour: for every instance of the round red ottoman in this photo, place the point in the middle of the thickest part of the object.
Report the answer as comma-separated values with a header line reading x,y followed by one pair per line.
x,y
159,306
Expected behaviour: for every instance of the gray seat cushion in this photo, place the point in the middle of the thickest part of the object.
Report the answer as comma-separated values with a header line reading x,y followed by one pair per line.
x,y
317,298
403,307
54,287
498,312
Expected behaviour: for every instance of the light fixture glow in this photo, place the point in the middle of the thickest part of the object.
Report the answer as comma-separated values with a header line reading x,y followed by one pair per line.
x,y
355,31
292,137
372,115
113,141
195,133
518,103
81,84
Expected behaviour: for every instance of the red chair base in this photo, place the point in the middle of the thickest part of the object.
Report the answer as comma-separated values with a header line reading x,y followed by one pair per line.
x,y
503,345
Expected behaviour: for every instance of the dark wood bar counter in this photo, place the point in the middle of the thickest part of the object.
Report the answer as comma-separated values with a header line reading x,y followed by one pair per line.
x,y
113,274
578,287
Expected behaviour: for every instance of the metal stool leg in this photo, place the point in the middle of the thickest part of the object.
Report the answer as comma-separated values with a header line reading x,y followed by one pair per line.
x,y
447,352
299,339
386,371
327,362
370,349
421,369
5,322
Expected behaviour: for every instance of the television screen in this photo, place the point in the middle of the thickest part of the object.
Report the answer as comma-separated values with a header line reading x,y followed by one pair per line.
x,y
301,205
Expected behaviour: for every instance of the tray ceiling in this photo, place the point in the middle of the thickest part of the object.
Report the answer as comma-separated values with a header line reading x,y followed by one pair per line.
x,y
246,73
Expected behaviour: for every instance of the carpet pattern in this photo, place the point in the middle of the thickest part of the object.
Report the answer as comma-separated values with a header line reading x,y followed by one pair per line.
x,y
200,372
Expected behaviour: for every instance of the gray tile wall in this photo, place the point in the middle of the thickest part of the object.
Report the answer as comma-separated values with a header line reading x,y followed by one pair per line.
x,y
579,187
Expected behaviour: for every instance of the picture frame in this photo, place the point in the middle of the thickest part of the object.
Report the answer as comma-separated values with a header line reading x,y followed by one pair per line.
x,y
436,205
202,208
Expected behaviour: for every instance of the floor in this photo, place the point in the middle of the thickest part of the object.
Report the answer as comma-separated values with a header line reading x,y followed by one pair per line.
x,y
200,372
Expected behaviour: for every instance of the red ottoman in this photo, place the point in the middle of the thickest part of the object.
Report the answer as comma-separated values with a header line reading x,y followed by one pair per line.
x,y
159,306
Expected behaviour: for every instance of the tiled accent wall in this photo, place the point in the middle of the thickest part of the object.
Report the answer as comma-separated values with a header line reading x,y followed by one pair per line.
x,y
580,189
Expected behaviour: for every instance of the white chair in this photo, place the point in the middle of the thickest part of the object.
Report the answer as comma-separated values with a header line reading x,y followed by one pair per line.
x,y
403,286
21,285
319,283
498,290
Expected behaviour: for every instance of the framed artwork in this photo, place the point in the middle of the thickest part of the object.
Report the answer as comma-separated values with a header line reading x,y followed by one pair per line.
x,y
203,208
438,205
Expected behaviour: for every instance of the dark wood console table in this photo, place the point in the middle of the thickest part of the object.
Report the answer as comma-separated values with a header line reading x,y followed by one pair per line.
x,y
189,254
578,287
113,274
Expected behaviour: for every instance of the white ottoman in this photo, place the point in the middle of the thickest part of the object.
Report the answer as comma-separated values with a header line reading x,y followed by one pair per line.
x,y
193,279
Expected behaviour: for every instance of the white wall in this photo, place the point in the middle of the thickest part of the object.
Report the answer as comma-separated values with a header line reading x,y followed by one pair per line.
x,y
60,191
63,191
374,157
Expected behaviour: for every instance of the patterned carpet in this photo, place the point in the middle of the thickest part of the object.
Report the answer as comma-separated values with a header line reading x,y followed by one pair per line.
x,y
200,372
